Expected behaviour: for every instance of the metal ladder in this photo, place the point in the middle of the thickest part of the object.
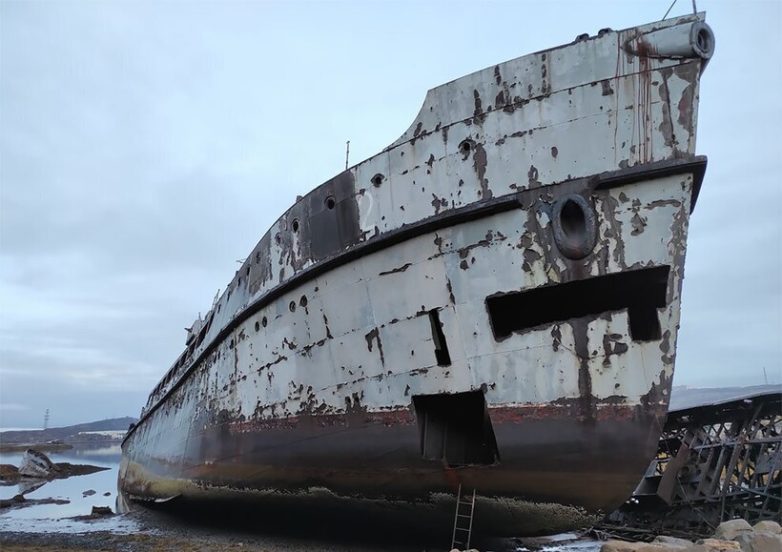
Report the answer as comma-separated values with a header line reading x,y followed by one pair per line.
x,y
462,521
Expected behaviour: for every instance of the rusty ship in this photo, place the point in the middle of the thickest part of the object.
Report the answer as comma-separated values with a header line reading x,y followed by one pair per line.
x,y
491,301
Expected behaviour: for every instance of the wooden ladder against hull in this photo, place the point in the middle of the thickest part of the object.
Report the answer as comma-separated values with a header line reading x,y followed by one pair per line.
x,y
462,521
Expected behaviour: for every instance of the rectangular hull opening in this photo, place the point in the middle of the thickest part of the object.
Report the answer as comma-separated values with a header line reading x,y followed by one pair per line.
x,y
455,429
438,337
640,292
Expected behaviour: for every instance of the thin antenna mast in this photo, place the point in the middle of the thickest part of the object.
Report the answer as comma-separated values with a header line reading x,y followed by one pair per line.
x,y
347,153
670,8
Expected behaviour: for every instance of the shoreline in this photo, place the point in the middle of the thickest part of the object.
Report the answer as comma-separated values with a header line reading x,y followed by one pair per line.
x,y
40,447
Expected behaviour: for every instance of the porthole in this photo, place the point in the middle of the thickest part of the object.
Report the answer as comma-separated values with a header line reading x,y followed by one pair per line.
x,y
465,147
574,224
330,202
573,219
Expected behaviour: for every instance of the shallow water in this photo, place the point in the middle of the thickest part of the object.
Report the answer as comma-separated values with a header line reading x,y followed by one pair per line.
x,y
53,517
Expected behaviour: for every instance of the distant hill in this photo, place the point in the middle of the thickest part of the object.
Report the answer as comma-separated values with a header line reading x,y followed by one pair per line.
x,y
687,397
67,433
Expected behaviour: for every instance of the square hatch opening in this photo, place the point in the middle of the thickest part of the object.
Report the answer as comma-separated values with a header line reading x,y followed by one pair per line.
x,y
456,429
641,292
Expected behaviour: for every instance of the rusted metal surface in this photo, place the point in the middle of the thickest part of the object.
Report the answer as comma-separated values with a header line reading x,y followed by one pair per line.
x,y
714,462
574,165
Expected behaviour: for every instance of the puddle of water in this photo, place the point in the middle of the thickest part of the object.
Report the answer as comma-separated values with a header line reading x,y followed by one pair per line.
x,y
51,517
581,545
115,524
563,542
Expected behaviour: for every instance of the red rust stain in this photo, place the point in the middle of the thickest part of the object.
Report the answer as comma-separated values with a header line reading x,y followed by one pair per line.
x,y
358,417
564,409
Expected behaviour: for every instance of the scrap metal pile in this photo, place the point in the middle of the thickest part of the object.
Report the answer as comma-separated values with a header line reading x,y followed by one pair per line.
x,y
714,462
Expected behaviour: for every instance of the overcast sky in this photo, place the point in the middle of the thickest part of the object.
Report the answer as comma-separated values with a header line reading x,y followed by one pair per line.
x,y
145,147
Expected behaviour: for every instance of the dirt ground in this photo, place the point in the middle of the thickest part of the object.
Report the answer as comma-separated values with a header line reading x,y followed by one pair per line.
x,y
158,531
33,542
140,542
245,527
99,541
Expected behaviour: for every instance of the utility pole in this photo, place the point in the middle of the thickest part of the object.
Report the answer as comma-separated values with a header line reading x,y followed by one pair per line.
x,y
46,419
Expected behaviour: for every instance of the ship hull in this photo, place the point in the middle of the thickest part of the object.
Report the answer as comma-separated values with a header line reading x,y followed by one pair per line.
x,y
516,338
544,459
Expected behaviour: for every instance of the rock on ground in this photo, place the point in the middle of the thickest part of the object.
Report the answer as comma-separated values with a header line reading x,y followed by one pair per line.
x,y
673,545
716,545
730,536
8,472
101,511
729,530
672,542
768,526
760,541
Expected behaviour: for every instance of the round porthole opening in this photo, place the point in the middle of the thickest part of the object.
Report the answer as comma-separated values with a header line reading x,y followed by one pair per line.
x,y
465,147
572,219
574,225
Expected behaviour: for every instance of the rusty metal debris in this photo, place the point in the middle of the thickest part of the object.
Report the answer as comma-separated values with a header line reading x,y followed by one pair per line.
x,y
714,463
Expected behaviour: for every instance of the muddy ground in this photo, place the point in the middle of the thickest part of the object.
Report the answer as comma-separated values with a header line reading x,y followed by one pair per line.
x,y
12,542
156,530
32,542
